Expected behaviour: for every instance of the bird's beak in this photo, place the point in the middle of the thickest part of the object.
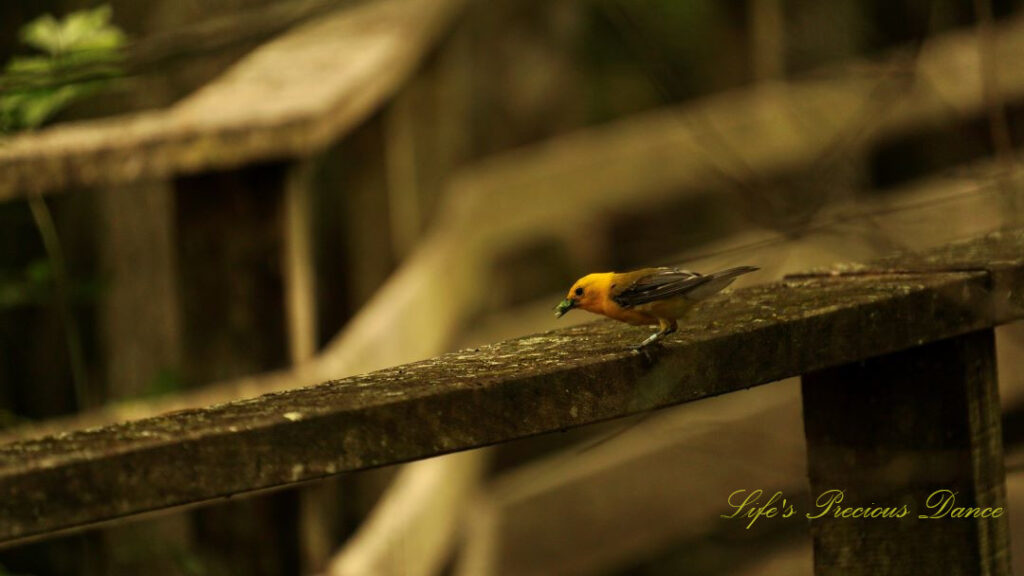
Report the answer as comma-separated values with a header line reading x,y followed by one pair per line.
x,y
564,306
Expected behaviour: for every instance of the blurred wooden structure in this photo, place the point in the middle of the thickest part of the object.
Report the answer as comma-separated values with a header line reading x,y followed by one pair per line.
x,y
580,179
352,63
290,98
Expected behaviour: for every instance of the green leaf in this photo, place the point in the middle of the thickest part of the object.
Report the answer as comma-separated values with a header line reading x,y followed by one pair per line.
x,y
43,33
29,110
82,40
28,65
79,31
38,109
91,30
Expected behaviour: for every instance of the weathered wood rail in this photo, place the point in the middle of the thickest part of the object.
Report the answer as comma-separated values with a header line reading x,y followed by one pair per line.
x,y
823,320
290,98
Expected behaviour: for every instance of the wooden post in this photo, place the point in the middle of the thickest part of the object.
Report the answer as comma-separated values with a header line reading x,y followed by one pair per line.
x,y
140,309
767,39
298,262
139,316
317,513
230,239
897,432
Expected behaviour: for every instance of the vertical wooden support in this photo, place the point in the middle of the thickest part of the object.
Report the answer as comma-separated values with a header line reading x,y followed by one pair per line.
x,y
896,433
140,327
229,245
230,240
426,132
404,185
140,310
299,268
767,39
413,528
356,256
317,503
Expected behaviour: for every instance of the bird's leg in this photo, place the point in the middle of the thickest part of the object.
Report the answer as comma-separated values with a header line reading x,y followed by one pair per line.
x,y
668,326
665,327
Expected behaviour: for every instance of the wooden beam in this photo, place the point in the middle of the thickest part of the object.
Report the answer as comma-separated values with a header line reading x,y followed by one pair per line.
x,y
510,390
289,98
912,436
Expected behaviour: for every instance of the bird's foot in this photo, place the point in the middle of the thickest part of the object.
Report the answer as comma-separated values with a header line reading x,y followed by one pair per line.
x,y
650,341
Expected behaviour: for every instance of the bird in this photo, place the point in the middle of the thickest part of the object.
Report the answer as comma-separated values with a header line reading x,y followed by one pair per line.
x,y
647,296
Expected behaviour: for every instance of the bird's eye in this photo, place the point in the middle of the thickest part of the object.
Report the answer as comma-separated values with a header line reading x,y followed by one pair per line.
x,y
579,291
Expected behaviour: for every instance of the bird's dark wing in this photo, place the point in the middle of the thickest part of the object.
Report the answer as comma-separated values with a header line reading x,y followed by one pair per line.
x,y
652,284
656,284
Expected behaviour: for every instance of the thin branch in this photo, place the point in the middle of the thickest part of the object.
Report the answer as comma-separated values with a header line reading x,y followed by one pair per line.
x,y
62,303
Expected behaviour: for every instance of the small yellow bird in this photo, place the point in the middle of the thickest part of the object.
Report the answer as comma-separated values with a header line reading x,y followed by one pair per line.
x,y
647,296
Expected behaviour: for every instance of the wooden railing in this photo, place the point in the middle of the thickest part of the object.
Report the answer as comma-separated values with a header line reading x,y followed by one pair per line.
x,y
290,98
899,400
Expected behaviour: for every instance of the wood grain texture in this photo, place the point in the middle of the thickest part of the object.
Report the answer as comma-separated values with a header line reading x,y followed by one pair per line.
x,y
893,432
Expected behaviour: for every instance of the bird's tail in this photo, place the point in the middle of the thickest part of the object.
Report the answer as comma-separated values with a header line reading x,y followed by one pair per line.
x,y
718,281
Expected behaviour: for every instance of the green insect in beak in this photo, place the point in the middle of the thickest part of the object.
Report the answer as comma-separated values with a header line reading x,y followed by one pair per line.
x,y
563,307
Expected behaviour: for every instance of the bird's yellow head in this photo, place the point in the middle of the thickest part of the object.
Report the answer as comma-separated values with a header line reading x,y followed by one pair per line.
x,y
586,293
